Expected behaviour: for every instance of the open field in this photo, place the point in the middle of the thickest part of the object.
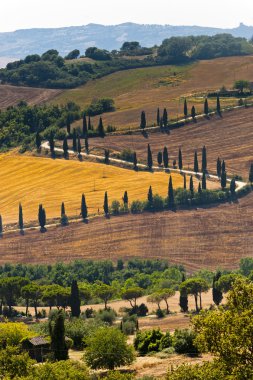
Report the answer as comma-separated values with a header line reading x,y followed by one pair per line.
x,y
149,88
12,95
229,137
36,180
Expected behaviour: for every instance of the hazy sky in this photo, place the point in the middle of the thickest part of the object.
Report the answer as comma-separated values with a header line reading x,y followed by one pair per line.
x,y
21,14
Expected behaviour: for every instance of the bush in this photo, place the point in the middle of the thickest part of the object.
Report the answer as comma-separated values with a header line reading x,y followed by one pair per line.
x,y
115,207
107,316
160,313
12,333
79,329
68,369
166,341
128,327
127,154
97,107
137,207
140,310
183,342
148,341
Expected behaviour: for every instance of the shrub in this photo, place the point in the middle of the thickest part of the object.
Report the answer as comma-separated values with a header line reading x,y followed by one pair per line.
x,y
140,310
97,107
115,207
107,316
137,207
127,154
128,327
183,342
148,341
69,369
12,333
166,341
160,313
79,329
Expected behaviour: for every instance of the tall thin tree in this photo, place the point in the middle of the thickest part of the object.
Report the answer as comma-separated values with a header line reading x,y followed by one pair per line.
x,y
57,333
180,160
20,217
165,118
206,107
101,130
84,210
191,185
204,181
223,180
135,162
218,107
149,158
74,138
79,146
1,225
106,206
196,162
171,201
185,108
158,117
204,159
85,127
251,174
38,140
86,142
65,147
165,157
193,113
218,167
150,195
143,122
184,181
75,302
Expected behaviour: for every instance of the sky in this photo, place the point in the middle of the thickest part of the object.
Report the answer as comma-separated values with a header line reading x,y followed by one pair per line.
x,y
24,14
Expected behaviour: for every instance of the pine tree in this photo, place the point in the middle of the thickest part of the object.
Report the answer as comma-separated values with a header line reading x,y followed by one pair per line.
x,y
158,117
84,211
38,140
218,167
101,130
135,162
183,299
206,107
218,107
180,160
149,159
217,293
193,113
191,185
185,108
199,188
51,143
1,225
165,157
159,158
204,181
171,203
42,217
143,123
150,195
165,118
75,302
223,166
223,180
74,140
86,141
57,333
65,147
106,207
20,218
68,121
204,160
125,198
184,181
79,146
251,174
232,187
89,124
85,128
196,162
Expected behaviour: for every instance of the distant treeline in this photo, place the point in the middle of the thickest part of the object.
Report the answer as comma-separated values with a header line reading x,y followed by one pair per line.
x,y
50,70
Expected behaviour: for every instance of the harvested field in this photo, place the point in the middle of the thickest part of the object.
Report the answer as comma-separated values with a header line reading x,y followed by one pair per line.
x,y
229,137
12,95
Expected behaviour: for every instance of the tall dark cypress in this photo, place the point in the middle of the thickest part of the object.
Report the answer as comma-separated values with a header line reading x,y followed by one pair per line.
x,y
184,181
75,302
165,118
196,162
68,121
42,217
165,157
85,128
223,180
232,187
1,225
57,333
185,108
171,202
218,107
159,158
217,293
199,188
125,198
161,122
183,299
180,159
149,158
89,124
143,122
193,112
63,209
251,174
204,159
65,147
20,217
223,166
51,143
106,206
79,146
135,162
150,195
84,210
218,167
191,185
74,141
206,107
86,142
204,181
158,117
101,130
38,140
107,156
64,218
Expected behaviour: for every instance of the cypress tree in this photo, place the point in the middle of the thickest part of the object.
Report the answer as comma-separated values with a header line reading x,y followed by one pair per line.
x,y
149,159
143,120
65,147
135,162
125,198
64,218
20,218
204,181
183,299
57,332
232,187
68,121
165,157
185,108
217,293
171,202
158,117
106,207
62,209
165,118
85,128
38,140
223,166
42,217
74,140
1,225
206,107
193,112
75,302
51,143
107,155
159,158
191,185
218,167
86,141
79,146
150,195
218,107
184,181
101,130
84,210
196,162
180,159
204,159
161,122
199,188
89,124
223,180
251,174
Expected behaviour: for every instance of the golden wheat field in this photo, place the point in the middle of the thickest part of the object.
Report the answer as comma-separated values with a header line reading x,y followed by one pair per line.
x,y
33,180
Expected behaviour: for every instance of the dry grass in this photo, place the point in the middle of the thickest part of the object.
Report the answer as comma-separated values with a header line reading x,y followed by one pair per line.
x,y
33,180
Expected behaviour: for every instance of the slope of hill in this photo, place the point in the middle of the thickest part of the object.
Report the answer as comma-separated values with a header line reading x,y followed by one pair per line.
x,y
20,43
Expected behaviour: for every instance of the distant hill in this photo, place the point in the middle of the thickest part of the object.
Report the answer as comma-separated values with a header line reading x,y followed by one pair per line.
x,y
20,43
